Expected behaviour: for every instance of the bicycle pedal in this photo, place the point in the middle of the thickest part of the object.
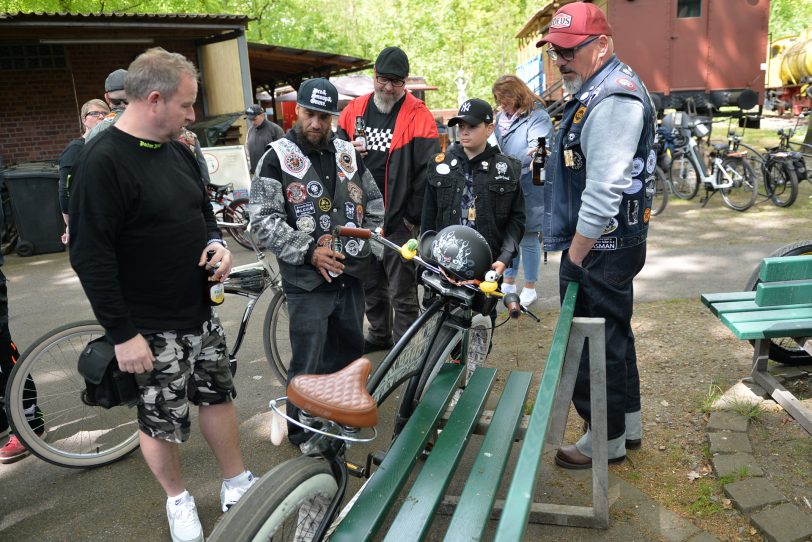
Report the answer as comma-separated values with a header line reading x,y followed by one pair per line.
x,y
356,471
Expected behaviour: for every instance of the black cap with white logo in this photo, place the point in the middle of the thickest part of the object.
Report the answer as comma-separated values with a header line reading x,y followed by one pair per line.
x,y
318,94
473,112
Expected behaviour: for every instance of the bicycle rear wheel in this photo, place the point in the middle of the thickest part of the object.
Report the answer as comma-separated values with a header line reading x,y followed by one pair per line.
x,y
781,183
276,336
237,212
287,503
76,435
661,191
784,350
742,194
684,176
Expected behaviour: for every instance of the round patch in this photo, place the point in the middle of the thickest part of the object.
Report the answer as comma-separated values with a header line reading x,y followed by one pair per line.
x,y
584,96
325,204
651,161
610,227
294,163
306,224
350,225
324,222
355,192
296,193
439,158
453,162
625,83
315,189
637,184
579,115
345,160
637,167
443,169
646,215
325,241
352,247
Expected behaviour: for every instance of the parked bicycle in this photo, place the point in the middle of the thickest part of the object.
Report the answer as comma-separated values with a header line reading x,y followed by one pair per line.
x,y
231,207
82,435
730,172
299,499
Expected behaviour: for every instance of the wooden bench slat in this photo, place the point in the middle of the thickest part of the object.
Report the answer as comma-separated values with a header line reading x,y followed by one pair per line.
x,y
792,312
769,294
373,503
476,501
770,329
721,309
786,268
523,484
727,297
414,517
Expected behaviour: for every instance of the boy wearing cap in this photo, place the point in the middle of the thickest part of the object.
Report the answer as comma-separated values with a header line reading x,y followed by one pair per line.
x,y
401,136
597,205
306,184
261,133
475,185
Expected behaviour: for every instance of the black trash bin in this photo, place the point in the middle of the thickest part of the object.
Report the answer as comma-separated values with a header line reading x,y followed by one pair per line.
x,y
34,195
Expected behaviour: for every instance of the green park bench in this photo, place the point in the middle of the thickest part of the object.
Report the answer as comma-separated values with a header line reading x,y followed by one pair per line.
x,y
780,307
408,512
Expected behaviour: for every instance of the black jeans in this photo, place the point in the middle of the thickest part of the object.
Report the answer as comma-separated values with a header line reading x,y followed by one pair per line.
x,y
326,330
391,284
606,292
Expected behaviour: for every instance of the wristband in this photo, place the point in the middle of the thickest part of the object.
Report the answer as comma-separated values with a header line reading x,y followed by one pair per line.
x,y
215,240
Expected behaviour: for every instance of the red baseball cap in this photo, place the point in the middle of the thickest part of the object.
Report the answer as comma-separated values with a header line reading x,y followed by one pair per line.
x,y
575,23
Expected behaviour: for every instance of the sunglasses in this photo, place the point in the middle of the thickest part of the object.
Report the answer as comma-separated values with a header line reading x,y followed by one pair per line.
x,y
397,83
96,114
567,54
119,101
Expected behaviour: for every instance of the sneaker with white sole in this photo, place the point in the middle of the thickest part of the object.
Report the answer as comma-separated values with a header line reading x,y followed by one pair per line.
x,y
184,525
508,288
528,296
230,495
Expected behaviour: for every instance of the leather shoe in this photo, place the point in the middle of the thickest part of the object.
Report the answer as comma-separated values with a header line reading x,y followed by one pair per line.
x,y
375,347
570,458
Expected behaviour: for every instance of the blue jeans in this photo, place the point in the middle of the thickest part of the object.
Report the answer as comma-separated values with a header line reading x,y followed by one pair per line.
x,y
530,251
606,292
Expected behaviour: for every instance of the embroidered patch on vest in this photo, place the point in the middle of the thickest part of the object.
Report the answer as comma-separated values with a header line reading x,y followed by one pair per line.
x,y
325,241
626,83
632,212
296,193
646,215
349,210
355,192
637,167
651,161
306,224
360,212
324,222
439,158
352,247
605,243
305,208
325,204
637,184
579,115
610,227
315,189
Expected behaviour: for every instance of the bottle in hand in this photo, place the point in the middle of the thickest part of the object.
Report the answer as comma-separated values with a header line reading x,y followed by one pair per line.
x,y
539,161
360,132
214,291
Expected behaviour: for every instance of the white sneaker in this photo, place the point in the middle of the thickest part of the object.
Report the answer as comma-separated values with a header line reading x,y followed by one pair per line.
x,y
528,296
508,288
230,495
184,525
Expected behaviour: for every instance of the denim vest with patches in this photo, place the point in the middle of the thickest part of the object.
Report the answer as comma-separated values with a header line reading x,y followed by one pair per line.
x,y
566,167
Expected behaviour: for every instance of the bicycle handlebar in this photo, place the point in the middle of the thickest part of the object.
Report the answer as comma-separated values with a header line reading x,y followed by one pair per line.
x,y
360,233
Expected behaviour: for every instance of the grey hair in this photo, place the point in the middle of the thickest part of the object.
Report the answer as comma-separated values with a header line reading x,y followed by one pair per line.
x,y
90,103
159,70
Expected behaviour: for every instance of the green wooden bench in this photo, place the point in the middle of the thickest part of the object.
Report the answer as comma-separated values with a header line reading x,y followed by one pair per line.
x,y
375,505
780,307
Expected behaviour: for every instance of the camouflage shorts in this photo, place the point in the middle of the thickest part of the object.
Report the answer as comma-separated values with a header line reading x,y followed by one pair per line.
x,y
190,365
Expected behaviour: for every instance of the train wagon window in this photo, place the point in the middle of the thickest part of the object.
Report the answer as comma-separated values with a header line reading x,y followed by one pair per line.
x,y
689,8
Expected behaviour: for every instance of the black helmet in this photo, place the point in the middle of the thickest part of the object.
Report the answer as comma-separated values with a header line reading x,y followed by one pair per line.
x,y
461,251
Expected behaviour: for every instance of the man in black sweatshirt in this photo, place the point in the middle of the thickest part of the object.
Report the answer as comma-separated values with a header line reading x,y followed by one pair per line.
x,y
141,229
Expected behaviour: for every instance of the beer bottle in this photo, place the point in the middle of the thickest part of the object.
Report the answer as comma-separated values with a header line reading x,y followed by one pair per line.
x,y
360,132
539,161
215,294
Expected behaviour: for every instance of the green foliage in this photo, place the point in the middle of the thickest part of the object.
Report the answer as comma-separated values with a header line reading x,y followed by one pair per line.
x,y
789,17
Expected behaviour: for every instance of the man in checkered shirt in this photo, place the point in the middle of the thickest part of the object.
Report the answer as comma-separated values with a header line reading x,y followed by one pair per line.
x,y
401,137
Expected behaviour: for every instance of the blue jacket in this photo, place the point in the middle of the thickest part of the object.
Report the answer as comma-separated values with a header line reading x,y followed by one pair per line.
x,y
523,135
566,167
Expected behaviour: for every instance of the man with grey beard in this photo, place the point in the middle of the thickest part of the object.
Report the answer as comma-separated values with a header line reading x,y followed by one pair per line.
x,y
597,205
401,137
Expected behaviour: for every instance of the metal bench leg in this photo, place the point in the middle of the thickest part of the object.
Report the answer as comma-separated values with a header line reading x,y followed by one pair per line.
x,y
782,396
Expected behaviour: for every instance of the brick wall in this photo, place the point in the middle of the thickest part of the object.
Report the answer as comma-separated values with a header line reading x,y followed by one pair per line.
x,y
39,109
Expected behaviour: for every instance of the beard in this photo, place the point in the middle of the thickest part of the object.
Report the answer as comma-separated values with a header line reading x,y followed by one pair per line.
x,y
385,102
316,141
573,86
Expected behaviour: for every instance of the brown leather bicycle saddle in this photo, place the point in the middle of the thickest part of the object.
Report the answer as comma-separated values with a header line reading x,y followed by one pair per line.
x,y
341,397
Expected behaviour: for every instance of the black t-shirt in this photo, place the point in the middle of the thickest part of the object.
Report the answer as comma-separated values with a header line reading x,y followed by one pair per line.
x,y
139,221
379,130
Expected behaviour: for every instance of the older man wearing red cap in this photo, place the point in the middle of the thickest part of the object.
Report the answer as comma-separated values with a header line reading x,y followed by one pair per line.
x,y
597,205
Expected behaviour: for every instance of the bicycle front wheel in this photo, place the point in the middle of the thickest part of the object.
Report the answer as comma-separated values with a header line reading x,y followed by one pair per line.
x,y
785,350
742,194
287,503
276,336
76,434
661,190
237,212
782,183
684,176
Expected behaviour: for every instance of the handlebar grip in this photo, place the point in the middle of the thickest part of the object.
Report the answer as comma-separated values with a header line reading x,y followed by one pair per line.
x,y
359,233
513,305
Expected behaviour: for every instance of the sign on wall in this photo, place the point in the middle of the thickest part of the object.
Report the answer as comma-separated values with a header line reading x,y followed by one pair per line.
x,y
229,165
